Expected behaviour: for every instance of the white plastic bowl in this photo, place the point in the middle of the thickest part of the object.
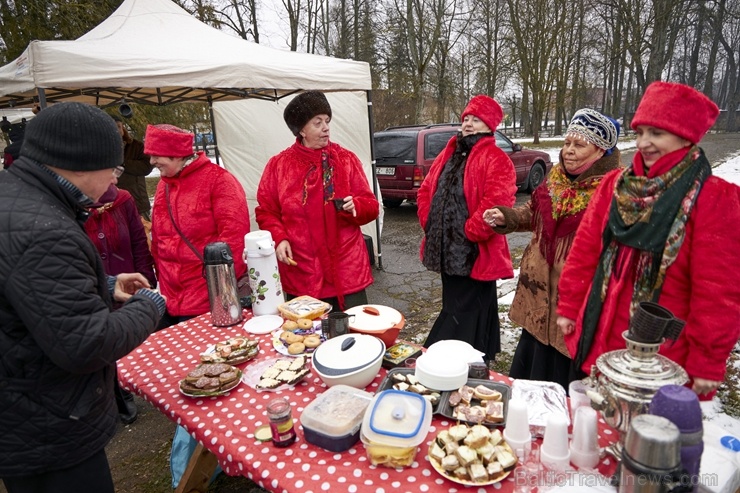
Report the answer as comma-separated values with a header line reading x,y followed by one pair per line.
x,y
440,372
350,359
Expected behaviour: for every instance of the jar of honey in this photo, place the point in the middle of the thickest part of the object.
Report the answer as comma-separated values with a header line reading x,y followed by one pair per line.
x,y
281,422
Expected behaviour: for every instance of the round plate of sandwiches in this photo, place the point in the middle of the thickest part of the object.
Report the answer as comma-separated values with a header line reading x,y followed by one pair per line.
x,y
275,374
234,351
471,455
210,379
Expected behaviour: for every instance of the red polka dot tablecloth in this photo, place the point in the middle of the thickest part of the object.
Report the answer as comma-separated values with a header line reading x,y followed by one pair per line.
x,y
225,425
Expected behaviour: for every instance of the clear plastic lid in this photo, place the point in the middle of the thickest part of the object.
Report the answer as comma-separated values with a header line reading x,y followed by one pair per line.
x,y
337,412
397,418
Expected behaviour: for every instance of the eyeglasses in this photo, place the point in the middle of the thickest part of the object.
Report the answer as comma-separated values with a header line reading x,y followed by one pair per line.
x,y
118,171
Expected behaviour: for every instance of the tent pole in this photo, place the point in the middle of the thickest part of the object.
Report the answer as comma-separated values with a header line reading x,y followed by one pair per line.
x,y
372,163
42,97
213,130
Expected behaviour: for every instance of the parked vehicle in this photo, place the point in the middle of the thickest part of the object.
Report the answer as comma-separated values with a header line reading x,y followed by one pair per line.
x,y
403,156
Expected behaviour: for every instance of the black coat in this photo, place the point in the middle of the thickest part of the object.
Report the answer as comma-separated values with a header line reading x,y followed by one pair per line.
x,y
59,340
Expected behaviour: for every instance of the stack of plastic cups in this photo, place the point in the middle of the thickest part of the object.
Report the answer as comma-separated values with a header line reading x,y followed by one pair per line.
x,y
584,448
516,433
681,406
554,452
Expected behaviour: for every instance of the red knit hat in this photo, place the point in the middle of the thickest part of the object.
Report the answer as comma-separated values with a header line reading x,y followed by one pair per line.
x,y
677,108
168,140
486,109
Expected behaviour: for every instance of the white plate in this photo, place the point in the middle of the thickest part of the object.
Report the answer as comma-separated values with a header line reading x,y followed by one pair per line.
x,y
263,324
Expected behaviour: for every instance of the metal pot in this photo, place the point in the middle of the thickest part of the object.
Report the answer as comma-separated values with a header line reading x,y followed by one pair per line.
x,y
626,382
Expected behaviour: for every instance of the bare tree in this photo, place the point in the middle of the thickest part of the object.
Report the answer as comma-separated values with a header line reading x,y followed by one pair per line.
x,y
241,17
536,28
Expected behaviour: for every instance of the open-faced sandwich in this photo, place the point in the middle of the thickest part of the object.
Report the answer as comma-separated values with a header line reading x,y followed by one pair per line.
x,y
234,351
210,379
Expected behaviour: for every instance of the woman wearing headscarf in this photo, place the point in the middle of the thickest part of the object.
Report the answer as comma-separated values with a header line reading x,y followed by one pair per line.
x,y
553,215
661,230
197,202
468,177
313,197
116,231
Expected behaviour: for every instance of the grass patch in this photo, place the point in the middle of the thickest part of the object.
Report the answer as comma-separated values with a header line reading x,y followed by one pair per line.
x,y
151,185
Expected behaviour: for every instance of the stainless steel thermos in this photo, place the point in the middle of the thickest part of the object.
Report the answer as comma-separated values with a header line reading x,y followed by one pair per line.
x,y
218,264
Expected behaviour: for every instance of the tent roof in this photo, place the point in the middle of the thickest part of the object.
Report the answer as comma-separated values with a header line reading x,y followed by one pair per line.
x,y
154,52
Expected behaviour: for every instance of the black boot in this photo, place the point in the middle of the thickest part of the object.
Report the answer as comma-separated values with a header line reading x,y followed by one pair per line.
x,y
126,406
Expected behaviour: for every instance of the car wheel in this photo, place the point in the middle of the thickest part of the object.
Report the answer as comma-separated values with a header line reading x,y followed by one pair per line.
x,y
392,203
536,176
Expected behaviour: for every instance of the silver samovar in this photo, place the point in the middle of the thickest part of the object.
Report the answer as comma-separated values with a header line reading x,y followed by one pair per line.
x,y
626,380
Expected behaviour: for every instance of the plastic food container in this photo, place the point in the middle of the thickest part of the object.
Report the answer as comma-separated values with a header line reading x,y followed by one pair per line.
x,y
394,425
440,371
380,321
303,307
333,420
349,359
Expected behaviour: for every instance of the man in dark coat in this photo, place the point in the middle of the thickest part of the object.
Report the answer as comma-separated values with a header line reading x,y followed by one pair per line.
x,y
59,338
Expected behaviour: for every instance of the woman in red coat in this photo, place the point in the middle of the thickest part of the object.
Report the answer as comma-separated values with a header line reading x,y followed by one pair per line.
x,y
197,202
468,177
662,230
313,197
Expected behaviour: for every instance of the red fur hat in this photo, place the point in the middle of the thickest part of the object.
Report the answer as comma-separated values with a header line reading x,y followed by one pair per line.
x,y
677,108
168,141
486,109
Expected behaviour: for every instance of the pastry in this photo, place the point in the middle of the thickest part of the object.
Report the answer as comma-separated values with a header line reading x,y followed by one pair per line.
x,y
304,324
296,348
312,341
290,325
291,337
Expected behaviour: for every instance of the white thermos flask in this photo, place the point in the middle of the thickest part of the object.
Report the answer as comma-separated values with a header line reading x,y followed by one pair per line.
x,y
221,280
264,276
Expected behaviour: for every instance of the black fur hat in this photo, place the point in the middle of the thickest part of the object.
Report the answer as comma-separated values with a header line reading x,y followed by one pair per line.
x,y
304,107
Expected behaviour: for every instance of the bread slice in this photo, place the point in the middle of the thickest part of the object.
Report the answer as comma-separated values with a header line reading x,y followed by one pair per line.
x,y
268,383
494,412
483,393
477,472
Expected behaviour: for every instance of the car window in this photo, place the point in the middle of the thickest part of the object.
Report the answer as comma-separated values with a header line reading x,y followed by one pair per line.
x,y
503,143
435,142
395,147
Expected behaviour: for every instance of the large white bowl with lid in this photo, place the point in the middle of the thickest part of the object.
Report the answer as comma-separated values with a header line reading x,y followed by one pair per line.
x,y
439,371
394,425
380,321
349,359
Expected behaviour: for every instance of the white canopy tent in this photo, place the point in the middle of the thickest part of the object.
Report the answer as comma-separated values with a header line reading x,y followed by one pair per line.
x,y
154,52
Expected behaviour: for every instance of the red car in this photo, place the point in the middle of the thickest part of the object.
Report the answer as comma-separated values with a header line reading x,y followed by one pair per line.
x,y
403,156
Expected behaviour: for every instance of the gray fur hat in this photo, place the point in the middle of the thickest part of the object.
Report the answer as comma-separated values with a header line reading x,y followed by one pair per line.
x,y
304,107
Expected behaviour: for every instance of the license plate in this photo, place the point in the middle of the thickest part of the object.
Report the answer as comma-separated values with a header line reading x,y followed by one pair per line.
x,y
385,171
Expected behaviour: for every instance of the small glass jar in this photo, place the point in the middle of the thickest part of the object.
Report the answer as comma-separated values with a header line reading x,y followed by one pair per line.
x,y
281,422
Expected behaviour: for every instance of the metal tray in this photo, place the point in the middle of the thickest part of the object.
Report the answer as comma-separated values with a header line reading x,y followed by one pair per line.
x,y
447,411
388,383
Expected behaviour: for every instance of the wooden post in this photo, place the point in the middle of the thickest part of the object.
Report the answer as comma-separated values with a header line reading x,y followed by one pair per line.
x,y
201,467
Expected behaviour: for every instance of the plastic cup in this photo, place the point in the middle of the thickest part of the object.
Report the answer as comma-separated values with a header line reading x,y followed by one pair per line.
x,y
554,452
517,433
410,363
584,448
578,398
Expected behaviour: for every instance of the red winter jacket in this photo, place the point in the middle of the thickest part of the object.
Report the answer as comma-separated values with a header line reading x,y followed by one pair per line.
x,y
208,204
327,245
489,180
701,286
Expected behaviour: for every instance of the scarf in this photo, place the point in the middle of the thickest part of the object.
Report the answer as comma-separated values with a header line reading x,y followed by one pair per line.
x,y
649,215
323,161
447,249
